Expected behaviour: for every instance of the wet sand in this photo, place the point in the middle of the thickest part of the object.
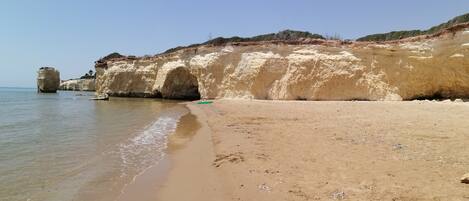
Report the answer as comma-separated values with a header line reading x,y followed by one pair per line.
x,y
144,186
186,172
190,150
277,150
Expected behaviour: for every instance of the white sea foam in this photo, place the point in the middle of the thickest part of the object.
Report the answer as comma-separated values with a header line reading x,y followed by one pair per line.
x,y
156,132
147,147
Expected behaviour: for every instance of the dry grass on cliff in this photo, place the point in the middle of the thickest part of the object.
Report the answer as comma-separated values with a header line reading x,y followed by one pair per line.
x,y
397,35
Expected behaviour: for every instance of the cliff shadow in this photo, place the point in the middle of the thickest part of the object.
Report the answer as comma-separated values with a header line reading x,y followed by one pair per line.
x,y
180,83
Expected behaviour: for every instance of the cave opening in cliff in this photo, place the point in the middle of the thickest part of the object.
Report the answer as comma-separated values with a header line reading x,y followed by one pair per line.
x,y
181,84
435,96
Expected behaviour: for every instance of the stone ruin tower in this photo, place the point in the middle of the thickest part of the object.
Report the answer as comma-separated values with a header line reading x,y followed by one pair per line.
x,y
48,80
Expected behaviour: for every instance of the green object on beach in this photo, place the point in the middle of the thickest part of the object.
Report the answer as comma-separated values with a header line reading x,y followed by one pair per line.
x,y
204,102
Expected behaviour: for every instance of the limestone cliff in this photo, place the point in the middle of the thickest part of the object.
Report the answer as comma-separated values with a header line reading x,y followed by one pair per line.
x,y
310,69
78,85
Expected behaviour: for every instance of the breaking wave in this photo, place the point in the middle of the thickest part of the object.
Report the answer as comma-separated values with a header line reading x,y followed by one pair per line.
x,y
147,147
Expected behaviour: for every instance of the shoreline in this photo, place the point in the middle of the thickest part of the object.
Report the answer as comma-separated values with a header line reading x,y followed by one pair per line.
x,y
179,171
192,176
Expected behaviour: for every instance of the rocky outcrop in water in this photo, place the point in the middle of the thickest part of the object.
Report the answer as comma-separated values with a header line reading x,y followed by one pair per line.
x,y
78,85
427,66
48,80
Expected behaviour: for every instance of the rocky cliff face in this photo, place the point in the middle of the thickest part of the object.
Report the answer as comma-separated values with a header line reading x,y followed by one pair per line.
x,y
78,85
48,80
421,67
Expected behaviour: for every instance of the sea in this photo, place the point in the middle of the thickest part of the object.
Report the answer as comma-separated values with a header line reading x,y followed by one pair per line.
x,y
64,146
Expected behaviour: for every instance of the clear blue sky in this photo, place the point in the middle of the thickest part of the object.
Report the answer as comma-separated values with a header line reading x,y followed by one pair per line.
x,y
71,35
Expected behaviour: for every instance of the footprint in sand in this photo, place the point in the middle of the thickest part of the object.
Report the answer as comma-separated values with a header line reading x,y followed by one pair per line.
x,y
232,158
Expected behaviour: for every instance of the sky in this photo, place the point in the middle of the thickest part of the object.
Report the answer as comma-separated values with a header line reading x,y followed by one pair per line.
x,y
70,35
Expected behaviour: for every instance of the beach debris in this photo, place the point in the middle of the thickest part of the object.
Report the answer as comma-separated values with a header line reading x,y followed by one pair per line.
x,y
465,179
204,102
271,171
338,195
264,187
298,191
397,146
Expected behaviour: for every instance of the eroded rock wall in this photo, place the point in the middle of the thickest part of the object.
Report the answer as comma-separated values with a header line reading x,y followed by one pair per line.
x,y
78,85
427,67
127,78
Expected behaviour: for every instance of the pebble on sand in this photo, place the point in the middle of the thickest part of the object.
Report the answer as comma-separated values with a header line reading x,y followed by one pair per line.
x,y
465,179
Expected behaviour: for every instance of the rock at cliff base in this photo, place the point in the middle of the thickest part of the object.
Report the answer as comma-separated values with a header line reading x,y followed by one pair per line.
x,y
48,80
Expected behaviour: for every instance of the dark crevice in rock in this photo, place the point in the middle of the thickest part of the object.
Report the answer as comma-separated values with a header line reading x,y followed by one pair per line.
x,y
435,96
440,95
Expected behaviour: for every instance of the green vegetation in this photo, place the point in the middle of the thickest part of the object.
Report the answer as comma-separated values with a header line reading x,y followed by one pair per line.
x,y
89,75
112,56
102,62
286,35
335,36
396,35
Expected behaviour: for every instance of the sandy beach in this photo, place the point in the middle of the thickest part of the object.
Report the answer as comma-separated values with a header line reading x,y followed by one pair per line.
x,y
294,150
234,100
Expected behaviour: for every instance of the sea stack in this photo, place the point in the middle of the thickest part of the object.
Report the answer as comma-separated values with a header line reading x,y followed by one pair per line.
x,y
48,80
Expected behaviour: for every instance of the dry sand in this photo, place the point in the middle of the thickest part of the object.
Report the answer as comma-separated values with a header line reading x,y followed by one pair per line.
x,y
287,150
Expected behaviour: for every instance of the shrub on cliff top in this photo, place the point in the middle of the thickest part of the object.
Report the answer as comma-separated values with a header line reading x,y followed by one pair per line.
x,y
112,56
89,75
102,62
286,35
396,35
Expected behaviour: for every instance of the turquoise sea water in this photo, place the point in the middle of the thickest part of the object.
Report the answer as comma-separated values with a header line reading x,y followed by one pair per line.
x,y
66,147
